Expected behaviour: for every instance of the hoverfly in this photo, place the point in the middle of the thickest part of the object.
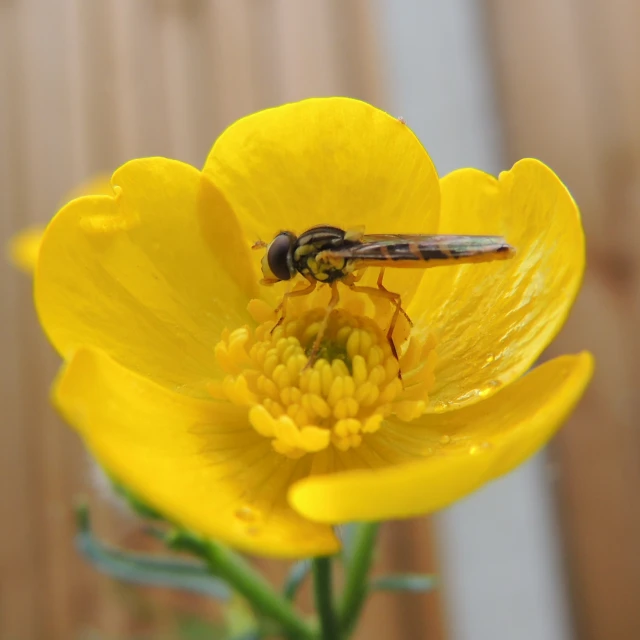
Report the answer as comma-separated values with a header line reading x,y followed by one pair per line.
x,y
328,255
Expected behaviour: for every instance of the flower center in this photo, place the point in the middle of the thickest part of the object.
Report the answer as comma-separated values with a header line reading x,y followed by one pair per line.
x,y
339,399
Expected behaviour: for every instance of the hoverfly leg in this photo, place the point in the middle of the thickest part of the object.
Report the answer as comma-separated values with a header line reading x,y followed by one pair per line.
x,y
315,349
390,330
282,307
383,288
395,299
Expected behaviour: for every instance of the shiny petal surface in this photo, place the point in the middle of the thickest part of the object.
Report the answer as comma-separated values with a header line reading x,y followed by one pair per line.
x,y
197,462
331,161
488,439
143,276
493,320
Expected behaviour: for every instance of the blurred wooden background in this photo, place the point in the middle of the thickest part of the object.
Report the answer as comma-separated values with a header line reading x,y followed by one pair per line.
x,y
85,86
568,75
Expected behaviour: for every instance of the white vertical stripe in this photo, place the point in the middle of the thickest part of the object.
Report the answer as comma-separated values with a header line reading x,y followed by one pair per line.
x,y
499,548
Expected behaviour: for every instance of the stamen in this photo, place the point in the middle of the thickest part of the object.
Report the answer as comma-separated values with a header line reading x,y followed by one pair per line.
x,y
342,398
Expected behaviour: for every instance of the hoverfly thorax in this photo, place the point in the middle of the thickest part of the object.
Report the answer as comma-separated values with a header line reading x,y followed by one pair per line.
x,y
277,262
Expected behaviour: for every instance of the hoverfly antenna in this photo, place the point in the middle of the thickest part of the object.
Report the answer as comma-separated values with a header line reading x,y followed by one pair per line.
x,y
259,244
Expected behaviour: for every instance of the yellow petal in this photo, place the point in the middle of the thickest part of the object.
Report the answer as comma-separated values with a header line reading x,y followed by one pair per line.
x,y
139,276
494,437
197,462
327,161
24,248
493,320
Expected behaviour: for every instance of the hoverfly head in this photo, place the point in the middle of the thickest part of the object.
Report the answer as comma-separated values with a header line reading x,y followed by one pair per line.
x,y
277,262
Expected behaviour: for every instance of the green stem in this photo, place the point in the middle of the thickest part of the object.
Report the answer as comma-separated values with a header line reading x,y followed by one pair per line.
x,y
356,587
246,581
323,588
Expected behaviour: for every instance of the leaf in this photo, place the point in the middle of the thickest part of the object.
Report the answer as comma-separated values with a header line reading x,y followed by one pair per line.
x,y
417,583
299,571
146,569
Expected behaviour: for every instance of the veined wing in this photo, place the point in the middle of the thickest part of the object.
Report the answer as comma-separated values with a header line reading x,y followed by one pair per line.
x,y
422,250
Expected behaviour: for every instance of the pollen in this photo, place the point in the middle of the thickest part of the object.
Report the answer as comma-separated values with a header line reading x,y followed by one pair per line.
x,y
344,397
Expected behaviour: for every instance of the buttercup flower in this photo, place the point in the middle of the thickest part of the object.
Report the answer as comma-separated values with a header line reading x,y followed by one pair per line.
x,y
184,391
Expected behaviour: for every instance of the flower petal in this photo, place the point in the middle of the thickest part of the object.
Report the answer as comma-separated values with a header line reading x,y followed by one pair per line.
x,y
493,320
326,161
501,433
197,462
140,276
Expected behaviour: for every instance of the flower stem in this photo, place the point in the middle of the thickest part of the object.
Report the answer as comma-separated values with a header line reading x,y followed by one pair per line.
x,y
356,587
323,588
246,581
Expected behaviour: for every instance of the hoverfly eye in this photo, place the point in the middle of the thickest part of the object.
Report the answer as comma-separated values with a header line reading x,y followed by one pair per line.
x,y
278,256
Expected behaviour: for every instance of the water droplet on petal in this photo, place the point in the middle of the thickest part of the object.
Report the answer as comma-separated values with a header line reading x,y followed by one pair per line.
x,y
445,439
489,359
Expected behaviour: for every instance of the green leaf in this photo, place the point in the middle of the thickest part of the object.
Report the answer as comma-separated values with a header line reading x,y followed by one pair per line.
x,y
418,583
296,577
146,569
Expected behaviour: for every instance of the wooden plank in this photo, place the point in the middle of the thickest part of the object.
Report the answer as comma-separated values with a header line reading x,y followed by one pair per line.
x,y
567,73
19,596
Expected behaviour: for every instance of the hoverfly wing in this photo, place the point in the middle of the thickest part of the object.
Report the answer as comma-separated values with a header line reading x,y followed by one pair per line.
x,y
419,251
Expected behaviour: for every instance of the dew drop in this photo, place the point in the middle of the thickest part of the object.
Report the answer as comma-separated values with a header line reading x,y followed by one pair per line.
x,y
445,439
489,359
247,514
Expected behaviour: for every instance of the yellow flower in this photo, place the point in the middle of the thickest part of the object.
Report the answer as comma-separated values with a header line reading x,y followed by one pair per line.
x,y
180,388
25,246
